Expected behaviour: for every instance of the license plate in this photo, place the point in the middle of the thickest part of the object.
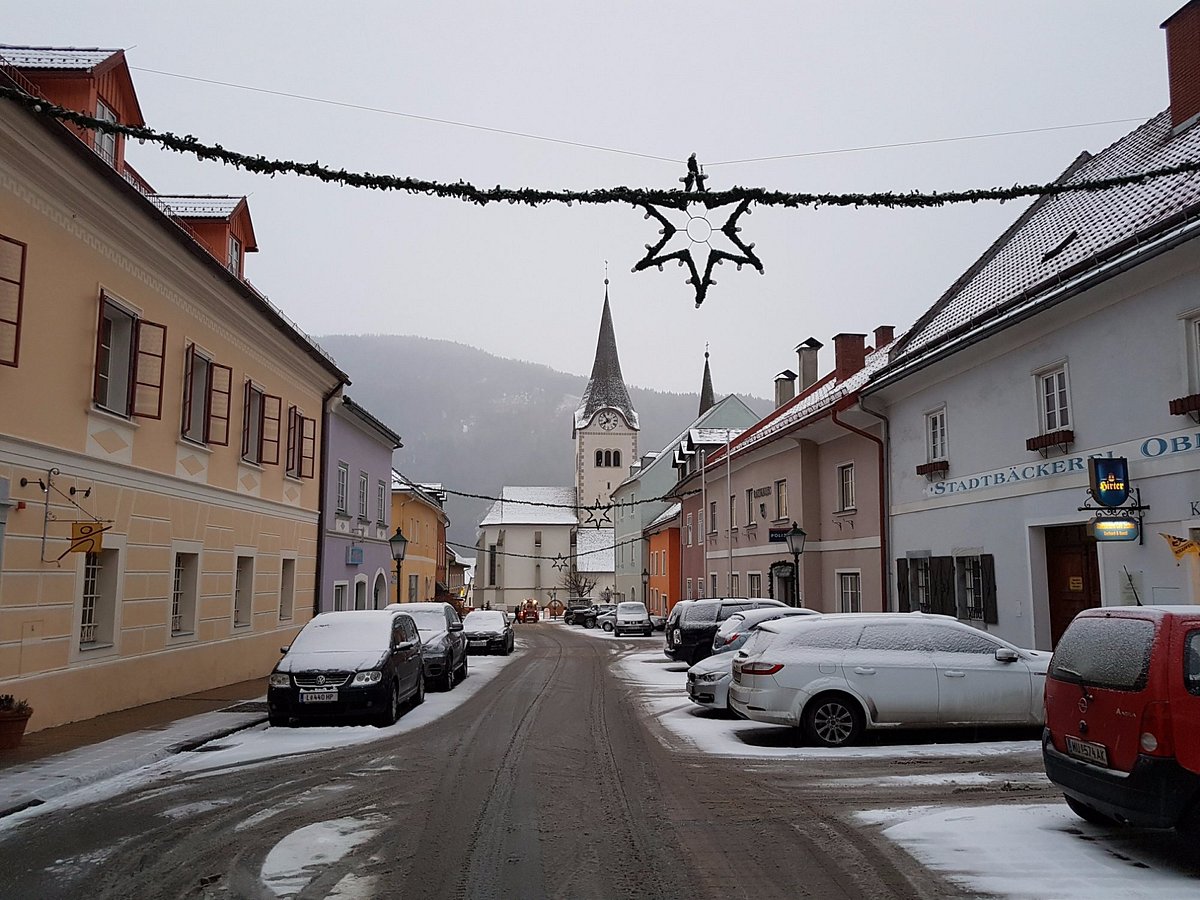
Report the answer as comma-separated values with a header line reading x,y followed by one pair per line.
x,y
477,643
318,696
1087,751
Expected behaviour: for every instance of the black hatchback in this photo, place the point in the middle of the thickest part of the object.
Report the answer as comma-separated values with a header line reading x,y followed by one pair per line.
x,y
352,664
690,635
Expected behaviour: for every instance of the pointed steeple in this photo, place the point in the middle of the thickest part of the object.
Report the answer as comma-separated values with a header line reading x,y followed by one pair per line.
x,y
606,387
706,390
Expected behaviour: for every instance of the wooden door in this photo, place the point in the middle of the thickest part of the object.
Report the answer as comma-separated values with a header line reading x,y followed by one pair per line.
x,y
1072,575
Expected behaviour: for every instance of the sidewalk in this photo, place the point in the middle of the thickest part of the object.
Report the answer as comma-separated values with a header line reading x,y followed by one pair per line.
x,y
53,761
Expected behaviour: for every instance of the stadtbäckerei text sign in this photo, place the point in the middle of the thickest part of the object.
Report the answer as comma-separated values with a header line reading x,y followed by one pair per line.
x,y
1156,447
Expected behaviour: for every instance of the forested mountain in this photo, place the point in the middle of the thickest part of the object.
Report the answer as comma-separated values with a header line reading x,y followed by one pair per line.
x,y
474,421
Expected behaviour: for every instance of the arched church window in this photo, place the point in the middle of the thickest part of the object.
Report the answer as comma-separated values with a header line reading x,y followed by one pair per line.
x,y
608,457
599,458
617,458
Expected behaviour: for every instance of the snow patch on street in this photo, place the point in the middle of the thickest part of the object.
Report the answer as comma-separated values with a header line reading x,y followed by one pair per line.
x,y
1042,850
945,778
188,810
298,858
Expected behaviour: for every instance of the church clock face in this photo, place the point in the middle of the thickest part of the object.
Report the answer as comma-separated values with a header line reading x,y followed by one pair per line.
x,y
607,420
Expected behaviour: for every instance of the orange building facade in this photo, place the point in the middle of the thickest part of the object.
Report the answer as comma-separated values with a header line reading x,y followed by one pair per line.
x,y
664,565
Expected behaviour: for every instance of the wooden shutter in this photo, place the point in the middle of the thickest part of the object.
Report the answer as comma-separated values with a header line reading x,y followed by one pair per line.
x,y
12,297
308,447
903,604
102,401
246,418
293,441
941,586
220,399
149,361
268,433
987,577
189,361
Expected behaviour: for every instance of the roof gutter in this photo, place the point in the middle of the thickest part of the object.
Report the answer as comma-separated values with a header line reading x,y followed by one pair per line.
x,y
1123,263
883,516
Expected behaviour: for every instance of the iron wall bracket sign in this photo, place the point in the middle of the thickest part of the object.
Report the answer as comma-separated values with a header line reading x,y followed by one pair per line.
x,y
1128,512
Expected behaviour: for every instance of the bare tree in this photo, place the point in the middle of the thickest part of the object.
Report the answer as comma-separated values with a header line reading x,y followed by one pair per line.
x,y
576,584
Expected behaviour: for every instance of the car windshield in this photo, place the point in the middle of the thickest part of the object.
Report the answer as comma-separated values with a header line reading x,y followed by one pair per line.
x,y
429,619
331,632
630,609
484,620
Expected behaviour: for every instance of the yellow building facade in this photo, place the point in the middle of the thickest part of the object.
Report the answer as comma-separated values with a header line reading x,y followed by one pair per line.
x,y
418,513
150,395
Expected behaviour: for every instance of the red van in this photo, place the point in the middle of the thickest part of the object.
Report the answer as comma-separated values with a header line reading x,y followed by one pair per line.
x,y
1122,736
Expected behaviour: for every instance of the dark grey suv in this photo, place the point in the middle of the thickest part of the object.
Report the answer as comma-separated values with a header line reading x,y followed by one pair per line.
x,y
443,644
690,634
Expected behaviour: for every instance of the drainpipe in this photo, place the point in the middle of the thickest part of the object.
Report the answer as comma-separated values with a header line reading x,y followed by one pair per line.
x,y
321,504
886,502
884,568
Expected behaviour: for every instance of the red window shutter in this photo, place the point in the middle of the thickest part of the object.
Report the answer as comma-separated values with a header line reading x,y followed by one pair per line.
x,y
246,418
189,360
12,297
272,412
149,361
293,440
99,351
220,400
308,447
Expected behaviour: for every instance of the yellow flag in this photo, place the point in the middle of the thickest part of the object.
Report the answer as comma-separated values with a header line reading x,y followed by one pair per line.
x,y
1181,547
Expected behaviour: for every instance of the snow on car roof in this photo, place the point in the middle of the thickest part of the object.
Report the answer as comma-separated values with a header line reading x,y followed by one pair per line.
x,y
363,629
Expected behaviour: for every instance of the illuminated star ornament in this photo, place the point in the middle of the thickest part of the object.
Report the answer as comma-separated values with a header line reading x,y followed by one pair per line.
x,y
691,237
597,515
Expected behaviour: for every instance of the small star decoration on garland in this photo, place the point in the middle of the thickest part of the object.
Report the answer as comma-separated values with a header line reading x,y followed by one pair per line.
x,y
686,230
559,563
597,514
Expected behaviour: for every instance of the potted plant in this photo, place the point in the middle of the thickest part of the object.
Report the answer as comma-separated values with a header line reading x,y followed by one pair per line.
x,y
14,716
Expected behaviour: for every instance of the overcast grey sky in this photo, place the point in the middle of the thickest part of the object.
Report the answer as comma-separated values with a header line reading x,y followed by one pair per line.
x,y
729,81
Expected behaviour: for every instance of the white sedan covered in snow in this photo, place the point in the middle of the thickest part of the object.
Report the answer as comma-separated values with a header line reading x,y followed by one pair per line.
x,y
840,674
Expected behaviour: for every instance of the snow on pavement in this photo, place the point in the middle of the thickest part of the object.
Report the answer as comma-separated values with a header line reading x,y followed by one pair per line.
x,y
300,856
1042,850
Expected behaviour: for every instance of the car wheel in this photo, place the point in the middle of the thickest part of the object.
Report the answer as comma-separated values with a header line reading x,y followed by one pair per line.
x,y
419,696
462,670
608,626
392,712
589,623
447,681
277,721
1088,814
833,720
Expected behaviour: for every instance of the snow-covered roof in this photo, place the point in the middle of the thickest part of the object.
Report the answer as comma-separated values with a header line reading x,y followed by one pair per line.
x,y
606,388
81,58
519,506
196,207
816,400
1060,237
667,515
595,550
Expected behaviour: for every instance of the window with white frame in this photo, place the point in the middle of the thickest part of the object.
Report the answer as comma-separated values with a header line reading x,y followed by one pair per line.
x,y
712,517
1054,399
733,520
735,585
130,360
381,502
341,594
364,483
749,507
920,600
414,583
700,527
970,587
235,256
1192,324
935,435
781,509
755,584
207,387
301,444
712,577
699,588
99,607
688,530
287,588
849,592
106,141
845,486
360,594
243,591
343,488
261,414
185,580
689,589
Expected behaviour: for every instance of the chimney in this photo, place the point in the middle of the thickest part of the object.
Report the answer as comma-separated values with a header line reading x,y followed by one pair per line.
x,y
884,335
849,354
808,362
1183,64
785,387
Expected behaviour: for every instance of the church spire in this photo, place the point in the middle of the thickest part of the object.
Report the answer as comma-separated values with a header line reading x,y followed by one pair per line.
x,y
707,400
606,387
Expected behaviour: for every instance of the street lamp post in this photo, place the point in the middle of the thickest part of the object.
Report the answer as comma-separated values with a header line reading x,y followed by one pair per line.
x,y
795,542
645,589
399,544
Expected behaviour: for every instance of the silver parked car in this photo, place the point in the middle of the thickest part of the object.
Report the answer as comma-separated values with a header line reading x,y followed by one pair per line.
x,y
708,680
840,674
631,616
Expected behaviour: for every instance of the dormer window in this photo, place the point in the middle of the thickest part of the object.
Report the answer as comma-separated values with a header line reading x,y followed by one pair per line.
x,y
106,141
235,256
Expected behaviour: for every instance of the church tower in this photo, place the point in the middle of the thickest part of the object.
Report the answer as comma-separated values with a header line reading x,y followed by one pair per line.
x,y
606,425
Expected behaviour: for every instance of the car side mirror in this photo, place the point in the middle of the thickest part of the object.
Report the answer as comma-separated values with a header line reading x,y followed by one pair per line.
x,y
404,645
1006,655
455,626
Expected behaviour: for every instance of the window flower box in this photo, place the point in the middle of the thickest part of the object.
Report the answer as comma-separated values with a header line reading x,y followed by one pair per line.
x,y
1186,406
1043,443
936,469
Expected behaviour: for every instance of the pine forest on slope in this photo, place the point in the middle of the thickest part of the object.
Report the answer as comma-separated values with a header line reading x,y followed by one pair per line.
x,y
474,421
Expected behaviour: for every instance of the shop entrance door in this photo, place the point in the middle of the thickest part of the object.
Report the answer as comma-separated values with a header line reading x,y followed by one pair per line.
x,y
1072,575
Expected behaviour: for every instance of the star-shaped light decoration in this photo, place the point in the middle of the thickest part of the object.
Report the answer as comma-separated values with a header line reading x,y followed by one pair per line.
x,y
597,514
559,563
688,235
